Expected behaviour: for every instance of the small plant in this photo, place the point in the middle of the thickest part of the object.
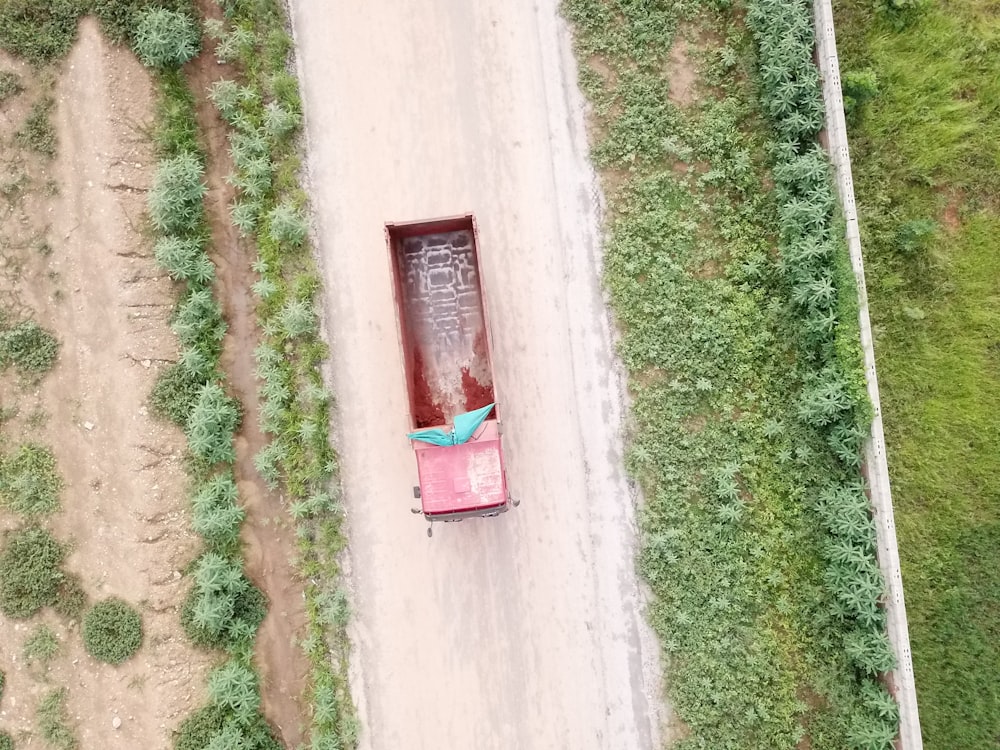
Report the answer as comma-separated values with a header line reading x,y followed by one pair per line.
x,y
859,87
112,631
6,741
29,482
41,646
165,38
53,722
71,599
10,85
30,573
38,133
28,347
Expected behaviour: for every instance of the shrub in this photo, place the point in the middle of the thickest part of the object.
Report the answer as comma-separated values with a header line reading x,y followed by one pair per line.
x,y
211,425
71,599
29,572
38,133
211,727
165,38
3,679
10,85
223,609
175,393
198,322
52,721
184,259
6,741
38,31
112,631
29,483
175,199
42,645
233,687
287,225
28,347
217,517
859,87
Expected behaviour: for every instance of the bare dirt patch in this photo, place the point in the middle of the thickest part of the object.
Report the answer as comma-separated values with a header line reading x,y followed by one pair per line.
x,y
682,72
87,272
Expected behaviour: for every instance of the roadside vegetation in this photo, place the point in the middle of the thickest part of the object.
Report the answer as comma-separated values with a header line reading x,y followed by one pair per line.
x,y
264,112
731,283
926,159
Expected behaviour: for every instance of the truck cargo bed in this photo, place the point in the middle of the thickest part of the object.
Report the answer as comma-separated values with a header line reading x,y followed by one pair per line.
x,y
443,325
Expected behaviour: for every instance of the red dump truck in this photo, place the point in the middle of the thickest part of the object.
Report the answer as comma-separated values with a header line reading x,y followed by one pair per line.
x,y
454,420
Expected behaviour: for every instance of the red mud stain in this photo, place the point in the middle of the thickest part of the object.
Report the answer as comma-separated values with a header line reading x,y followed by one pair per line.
x,y
477,395
426,411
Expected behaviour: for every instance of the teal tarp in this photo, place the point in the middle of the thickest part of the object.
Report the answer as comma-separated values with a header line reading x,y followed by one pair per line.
x,y
465,426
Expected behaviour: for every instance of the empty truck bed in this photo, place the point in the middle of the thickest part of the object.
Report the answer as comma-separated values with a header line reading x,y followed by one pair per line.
x,y
442,321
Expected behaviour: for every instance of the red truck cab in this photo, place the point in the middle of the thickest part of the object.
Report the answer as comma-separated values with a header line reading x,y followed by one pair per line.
x,y
445,341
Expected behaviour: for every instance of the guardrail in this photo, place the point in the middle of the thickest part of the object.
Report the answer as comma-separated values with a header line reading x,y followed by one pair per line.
x,y
877,470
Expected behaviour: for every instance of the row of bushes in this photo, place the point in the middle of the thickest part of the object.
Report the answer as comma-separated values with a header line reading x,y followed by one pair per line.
x,y
833,400
263,111
223,609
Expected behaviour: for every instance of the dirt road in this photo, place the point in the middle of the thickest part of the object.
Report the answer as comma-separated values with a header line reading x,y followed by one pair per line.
x,y
523,631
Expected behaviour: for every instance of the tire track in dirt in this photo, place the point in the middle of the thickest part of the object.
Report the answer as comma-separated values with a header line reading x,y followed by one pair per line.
x,y
268,535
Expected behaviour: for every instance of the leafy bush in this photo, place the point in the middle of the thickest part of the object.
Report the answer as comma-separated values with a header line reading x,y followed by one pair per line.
x,y
175,201
29,347
29,482
30,572
198,322
53,722
165,38
184,259
223,608
212,727
211,425
42,645
233,688
217,517
175,392
287,225
859,87
112,631
38,133
6,741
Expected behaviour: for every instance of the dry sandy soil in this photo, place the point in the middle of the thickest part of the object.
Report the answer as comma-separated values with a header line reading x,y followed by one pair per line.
x,y
524,631
124,508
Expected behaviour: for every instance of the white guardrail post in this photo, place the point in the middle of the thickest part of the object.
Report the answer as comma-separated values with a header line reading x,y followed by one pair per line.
x,y
902,682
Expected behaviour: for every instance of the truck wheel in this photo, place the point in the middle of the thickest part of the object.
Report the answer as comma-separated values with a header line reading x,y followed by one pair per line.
x,y
416,492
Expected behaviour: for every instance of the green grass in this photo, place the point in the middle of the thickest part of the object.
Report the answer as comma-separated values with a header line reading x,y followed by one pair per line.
x,y
41,646
927,149
738,317
53,722
29,481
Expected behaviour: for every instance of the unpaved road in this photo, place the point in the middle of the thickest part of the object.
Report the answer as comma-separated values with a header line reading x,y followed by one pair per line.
x,y
524,631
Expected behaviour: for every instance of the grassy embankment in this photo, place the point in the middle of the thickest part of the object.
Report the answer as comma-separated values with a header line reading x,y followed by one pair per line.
x,y
926,156
731,284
